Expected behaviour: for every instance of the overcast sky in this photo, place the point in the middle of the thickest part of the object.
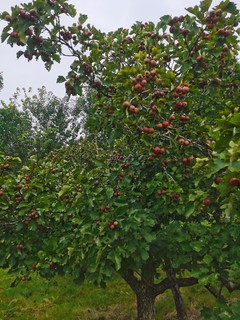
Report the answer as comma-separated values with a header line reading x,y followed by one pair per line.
x,y
106,15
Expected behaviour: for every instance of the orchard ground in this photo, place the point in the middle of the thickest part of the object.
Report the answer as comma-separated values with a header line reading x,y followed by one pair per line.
x,y
60,298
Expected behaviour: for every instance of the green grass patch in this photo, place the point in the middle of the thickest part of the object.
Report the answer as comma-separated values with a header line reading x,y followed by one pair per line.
x,y
61,299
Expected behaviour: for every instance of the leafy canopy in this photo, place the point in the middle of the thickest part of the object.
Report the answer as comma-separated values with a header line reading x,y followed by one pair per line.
x,y
158,185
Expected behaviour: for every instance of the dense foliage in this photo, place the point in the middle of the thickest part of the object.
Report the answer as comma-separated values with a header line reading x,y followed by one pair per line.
x,y
36,124
155,194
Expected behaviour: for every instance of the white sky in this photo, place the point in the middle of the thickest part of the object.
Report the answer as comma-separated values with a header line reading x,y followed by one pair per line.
x,y
106,15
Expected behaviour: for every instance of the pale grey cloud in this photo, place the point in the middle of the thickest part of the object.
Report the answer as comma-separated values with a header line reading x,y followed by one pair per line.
x,y
104,14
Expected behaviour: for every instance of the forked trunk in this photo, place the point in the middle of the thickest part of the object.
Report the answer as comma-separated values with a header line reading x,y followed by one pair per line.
x,y
180,308
145,306
144,290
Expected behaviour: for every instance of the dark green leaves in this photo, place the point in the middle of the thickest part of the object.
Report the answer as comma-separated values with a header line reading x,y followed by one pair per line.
x,y
205,5
82,18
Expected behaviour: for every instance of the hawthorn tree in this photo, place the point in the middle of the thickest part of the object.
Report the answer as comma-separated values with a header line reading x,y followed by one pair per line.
x,y
155,195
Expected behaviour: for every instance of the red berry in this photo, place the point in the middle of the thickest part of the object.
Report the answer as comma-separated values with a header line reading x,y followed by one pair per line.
x,y
218,180
234,182
207,202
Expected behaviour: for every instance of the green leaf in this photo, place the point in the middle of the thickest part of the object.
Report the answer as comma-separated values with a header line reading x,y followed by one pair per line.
x,y
116,259
223,143
19,54
189,210
64,190
231,8
205,5
236,119
218,165
82,18
61,79
193,10
5,33
22,37
144,255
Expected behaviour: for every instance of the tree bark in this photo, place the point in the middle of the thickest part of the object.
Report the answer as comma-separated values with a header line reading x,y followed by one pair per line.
x,y
180,308
144,290
145,305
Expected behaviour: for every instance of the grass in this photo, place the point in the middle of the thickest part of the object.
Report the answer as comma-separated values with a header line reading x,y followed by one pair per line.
x,y
61,299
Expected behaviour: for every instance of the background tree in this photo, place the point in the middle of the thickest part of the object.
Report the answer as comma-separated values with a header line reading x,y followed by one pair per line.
x,y
40,123
142,198
16,132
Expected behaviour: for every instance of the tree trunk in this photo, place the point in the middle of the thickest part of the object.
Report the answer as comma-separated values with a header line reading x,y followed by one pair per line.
x,y
145,305
181,312
144,290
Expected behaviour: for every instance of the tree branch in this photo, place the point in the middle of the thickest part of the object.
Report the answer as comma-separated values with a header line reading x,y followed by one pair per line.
x,y
231,286
133,282
214,292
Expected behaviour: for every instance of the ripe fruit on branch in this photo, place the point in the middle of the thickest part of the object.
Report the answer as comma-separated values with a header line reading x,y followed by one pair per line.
x,y
159,125
199,59
29,32
174,196
148,130
180,104
116,194
139,77
234,182
8,18
138,87
37,40
162,192
171,117
22,12
14,34
113,224
172,29
183,142
133,109
165,123
223,32
125,165
218,180
184,31
87,34
158,150
207,202
34,267
19,246
187,160
121,175
153,63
